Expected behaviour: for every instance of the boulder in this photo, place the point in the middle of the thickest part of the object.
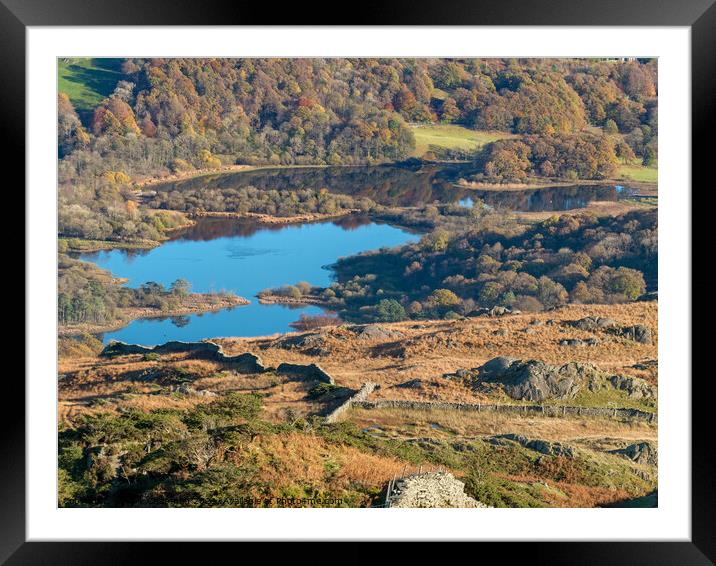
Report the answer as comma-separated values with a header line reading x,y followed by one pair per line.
x,y
541,446
634,386
638,333
376,332
578,342
412,384
116,348
307,372
498,365
538,381
533,380
592,323
312,344
640,452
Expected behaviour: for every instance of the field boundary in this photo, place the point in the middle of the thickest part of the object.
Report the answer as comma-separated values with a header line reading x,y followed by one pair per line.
x,y
359,397
546,410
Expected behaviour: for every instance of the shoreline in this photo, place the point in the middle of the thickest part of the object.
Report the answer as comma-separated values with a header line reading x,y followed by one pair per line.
x,y
597,207
174,177
224,170
270,219
645,189
203,302
269,299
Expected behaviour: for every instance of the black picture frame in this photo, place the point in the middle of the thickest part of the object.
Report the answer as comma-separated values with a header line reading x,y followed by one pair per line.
x,y
699,15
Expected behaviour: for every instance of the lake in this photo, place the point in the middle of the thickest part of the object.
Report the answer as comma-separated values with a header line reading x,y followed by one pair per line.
x,y
405,185
243,257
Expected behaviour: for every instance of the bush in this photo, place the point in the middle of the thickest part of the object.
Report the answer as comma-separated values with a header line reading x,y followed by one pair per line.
x,y
390,310
321,389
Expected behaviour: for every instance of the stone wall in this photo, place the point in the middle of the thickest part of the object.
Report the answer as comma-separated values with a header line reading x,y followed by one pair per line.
x,y
308,371
244,363
547,410
360,397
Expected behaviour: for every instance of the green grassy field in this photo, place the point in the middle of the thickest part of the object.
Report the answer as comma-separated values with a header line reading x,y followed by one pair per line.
x,y
638,173
451,137
88,81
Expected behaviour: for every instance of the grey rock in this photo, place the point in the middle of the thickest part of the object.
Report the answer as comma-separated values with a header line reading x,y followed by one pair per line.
x,y
638,333
591,323
412,384
538,381
578,342
308,372
541,446
430,490
376,332
635,387
640,452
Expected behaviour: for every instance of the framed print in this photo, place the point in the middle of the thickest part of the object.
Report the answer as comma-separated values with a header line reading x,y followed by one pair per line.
x,y
425,277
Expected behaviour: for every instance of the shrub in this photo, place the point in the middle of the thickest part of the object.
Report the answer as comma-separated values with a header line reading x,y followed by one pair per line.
x,y
390,310
321,389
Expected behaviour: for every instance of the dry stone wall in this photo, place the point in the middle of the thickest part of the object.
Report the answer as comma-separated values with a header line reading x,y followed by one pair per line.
x,y
547,410
359,397
245,363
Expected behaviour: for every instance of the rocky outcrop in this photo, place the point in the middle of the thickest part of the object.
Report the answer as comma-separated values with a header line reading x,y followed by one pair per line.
x,y
430,490
376,332
534,380
592,323
538,381
242,363
637,332
314,344
411,384
245,363
640,452
307,372
541,446
579,342
635,387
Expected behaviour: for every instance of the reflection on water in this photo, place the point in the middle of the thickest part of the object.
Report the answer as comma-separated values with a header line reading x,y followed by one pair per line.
x,y
245,257
551,198
393,185
242,257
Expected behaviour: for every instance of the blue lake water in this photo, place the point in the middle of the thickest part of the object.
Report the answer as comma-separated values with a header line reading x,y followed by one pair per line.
x,y
243,258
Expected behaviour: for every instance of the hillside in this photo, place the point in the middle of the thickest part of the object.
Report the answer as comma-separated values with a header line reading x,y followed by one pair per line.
x,y
183,428
87,82
123,122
